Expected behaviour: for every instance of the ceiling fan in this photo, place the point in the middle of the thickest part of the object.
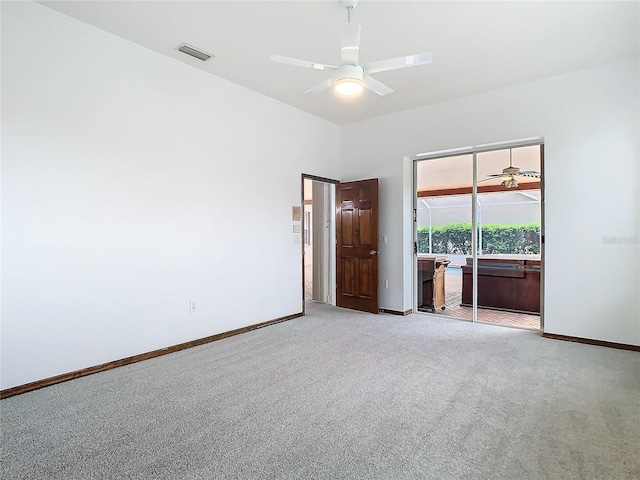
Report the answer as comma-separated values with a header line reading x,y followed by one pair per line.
x,y
508,175
350,77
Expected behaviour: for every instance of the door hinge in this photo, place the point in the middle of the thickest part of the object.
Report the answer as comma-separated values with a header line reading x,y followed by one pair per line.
x,y
415,215
415,248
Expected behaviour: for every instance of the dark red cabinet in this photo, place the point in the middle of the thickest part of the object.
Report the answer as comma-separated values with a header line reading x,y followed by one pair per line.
x,y
504,284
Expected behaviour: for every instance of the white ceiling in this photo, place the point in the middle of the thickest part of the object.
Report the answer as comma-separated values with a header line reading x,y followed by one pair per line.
x,y
476,46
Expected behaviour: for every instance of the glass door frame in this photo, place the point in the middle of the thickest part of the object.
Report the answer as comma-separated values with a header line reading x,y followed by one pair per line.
x,y
474,151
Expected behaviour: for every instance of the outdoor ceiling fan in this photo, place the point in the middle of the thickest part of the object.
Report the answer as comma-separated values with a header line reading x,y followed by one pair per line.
x,y
350,77
508,175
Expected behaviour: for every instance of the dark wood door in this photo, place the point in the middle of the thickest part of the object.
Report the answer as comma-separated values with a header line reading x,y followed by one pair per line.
x,y
357,245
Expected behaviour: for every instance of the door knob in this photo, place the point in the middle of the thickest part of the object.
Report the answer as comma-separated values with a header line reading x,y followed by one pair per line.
x,y
373,252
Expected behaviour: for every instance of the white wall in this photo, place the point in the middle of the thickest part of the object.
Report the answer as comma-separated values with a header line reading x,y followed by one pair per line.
x,y
128,183
590,123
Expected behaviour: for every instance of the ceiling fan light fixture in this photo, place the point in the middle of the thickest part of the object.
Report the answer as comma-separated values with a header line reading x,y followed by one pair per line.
x,y
349,80
509,182
348,86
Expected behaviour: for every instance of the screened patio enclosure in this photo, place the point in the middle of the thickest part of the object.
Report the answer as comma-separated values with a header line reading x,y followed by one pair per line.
x,y
521,207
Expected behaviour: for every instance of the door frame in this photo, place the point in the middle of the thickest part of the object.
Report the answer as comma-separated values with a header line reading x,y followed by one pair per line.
x,y
474,150
331,237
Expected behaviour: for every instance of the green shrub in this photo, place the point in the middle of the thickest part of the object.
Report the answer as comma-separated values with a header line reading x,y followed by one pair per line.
x,y
455,238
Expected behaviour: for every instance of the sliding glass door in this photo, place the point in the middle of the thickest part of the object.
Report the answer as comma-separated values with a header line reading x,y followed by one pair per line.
x,y
443,222
478,235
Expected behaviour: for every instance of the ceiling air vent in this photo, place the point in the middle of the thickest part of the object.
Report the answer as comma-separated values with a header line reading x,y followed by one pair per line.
x,y
194,52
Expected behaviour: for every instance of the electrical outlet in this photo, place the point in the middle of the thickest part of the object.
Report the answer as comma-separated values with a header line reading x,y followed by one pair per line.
x,y
192,306
385,284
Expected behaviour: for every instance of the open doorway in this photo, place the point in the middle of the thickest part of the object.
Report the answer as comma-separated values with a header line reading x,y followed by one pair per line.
x,y
479,235
318,235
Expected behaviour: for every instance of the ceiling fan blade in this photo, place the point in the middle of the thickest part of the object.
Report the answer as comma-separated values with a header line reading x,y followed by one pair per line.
x,y
375,86
396,63
301,63
321,86
491,177
530,174
350,43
